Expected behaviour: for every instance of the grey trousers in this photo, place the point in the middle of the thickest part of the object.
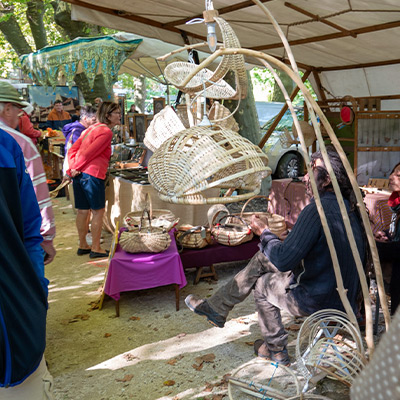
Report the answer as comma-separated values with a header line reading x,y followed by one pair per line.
x,y
270,296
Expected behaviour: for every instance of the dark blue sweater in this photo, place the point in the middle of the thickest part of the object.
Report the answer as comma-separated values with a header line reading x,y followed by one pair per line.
x,y
317,285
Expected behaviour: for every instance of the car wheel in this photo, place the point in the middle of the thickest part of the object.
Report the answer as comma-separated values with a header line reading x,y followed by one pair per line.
x,y
289,166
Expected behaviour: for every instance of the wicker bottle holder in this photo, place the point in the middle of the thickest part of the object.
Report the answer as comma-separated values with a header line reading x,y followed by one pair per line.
x,y
164,125
160,218
147,239
233,232
193,237
201,158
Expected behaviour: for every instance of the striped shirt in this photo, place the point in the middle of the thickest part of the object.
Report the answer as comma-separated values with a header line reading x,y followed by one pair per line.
x,y
34,164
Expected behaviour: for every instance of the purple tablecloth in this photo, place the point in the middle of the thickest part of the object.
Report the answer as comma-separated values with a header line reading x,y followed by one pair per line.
x,y
217,253
144,270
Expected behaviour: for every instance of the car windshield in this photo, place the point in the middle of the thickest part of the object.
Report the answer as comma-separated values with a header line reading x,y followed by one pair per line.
x,y
285,122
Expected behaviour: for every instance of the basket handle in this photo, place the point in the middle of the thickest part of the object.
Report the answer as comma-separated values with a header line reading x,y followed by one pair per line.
x,y
233,216
148,205
251,198
141,220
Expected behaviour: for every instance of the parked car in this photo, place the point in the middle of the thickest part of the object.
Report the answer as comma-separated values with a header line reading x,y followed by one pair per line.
x,y
284,162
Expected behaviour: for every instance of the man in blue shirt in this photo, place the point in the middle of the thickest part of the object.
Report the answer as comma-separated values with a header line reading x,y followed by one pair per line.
x,y
23,300
296,274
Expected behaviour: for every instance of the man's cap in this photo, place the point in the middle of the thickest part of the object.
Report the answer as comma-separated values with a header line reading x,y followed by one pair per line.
x,y
8,94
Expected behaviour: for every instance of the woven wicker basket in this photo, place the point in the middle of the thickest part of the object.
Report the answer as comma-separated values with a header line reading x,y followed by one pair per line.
x,y
145,239
193,237
231,230
221,116
177,72
159,218
200,158
164,125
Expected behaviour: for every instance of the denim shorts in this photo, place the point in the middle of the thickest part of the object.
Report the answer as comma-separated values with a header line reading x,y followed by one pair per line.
x,y
89,192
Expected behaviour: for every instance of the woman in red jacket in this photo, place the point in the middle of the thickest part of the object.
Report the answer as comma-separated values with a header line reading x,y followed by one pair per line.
x,y
88,161
25,125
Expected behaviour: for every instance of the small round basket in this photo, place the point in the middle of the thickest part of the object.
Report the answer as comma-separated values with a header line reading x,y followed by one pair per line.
x,y
201,158
158,218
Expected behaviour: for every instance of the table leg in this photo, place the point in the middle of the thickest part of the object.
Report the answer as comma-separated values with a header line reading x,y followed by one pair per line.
x,y
117,308
200,274
177,296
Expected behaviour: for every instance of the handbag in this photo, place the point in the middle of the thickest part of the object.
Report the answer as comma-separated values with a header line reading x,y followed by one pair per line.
x,y
232,232
147,239
193,237
159,218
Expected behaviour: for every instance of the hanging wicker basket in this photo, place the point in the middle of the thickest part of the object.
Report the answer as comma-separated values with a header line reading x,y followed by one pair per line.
x,y
164,125
221,116
201,158
177,72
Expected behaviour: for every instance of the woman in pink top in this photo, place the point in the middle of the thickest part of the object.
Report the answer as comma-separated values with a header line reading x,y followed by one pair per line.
x,y
88,162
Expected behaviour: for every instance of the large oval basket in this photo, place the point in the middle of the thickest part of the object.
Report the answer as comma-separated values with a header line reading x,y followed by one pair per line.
x,y
201,158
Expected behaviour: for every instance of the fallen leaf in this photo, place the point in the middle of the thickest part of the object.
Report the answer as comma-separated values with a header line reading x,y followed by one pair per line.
x,y
130,357
208,358
172,362
169,383
217,397
250,343
293,327
134,318
198,367
83,317
155,329
167,315
107,334
126,378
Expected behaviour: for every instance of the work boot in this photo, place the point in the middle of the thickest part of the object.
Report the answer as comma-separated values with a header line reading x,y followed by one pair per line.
x,y
201,307
280,357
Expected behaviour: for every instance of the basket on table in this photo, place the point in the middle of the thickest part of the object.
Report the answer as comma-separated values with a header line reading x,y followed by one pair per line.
x,y
193,237
164,125
203,157
276,223
145,239
160,218
231,230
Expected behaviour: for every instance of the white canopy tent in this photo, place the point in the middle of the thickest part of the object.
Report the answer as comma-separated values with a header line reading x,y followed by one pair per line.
x,y
350,45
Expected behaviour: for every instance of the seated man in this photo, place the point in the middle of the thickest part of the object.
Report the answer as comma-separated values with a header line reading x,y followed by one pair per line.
x,y
388,243
58,117
296,274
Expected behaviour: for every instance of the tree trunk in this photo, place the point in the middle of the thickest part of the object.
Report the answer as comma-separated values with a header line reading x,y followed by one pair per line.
x,y
34,15
246,116
139,95
99,89
277,94
11,30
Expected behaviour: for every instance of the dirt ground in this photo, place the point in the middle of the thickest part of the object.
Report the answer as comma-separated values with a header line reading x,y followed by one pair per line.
x,y
151,351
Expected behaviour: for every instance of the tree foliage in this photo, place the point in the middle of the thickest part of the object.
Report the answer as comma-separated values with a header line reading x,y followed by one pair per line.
x,y
28,25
